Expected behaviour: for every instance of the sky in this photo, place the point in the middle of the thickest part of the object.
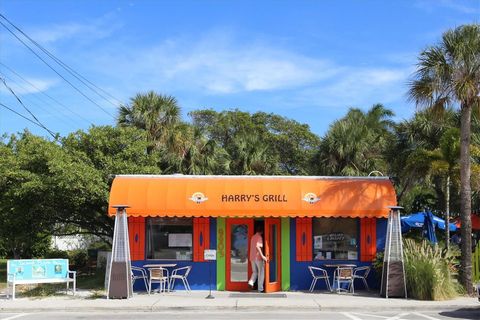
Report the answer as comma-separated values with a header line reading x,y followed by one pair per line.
x,y
306,60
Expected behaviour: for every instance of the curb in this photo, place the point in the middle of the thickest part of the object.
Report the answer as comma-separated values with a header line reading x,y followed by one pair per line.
x,y
235,308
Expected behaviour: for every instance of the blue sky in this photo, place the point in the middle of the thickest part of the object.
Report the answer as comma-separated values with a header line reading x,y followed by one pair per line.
x,y
306,60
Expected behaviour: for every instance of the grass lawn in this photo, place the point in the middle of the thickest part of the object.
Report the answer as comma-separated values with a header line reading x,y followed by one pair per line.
x,y
94,281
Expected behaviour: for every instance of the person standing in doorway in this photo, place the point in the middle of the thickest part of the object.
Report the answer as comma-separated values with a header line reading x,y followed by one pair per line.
x,y
257,259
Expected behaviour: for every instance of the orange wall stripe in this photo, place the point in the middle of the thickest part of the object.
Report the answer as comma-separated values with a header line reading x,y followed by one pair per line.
x,y
304,239
136,234
368,239
201,234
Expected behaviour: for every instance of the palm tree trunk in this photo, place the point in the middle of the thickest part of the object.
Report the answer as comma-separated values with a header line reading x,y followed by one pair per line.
x,y
466,198
447,213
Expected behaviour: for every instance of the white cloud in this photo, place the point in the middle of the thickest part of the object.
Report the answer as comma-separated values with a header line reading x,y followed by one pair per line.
x,y
93,30
466,7
359,87
217,66
36,86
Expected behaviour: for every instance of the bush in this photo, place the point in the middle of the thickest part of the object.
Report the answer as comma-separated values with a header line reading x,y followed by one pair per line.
x,y
377,265
429,271
78,258
56,254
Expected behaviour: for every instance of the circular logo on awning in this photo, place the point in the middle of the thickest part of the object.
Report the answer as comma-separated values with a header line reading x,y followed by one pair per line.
x,y
198,197
311,198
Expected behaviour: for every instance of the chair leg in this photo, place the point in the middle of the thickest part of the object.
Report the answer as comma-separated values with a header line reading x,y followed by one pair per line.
x,y
328,285
312,286
146,285
366,284
188,284
184,284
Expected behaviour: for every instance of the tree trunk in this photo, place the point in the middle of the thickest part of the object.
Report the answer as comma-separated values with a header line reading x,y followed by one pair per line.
x,y
447,213
466,199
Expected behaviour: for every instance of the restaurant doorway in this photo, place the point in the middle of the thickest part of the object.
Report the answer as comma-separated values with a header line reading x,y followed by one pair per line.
x,y
239,232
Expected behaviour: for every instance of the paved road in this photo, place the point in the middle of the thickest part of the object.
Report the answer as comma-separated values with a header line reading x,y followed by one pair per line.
x,y
460,314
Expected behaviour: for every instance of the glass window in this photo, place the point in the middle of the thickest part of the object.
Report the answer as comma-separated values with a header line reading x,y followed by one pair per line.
x,y
169,238
335,238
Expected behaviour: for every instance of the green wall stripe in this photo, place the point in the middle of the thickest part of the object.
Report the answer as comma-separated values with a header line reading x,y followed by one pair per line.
x,y
285,254
221,245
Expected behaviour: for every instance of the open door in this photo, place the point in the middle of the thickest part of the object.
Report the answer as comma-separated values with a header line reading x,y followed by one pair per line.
x,y
238,235
273,278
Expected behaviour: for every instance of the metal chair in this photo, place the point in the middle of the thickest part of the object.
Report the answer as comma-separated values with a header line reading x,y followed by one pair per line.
x,y
319,273
362,273
181,274
158,275
344,275
140,273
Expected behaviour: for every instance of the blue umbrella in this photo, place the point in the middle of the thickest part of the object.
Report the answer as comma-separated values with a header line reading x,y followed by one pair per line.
x,y
429,227
416,220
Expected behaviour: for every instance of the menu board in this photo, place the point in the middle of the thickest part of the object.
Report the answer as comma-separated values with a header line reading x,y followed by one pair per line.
x,y
179,240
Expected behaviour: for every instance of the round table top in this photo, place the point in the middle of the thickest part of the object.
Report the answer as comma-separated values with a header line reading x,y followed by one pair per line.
x,y
340,265
160,265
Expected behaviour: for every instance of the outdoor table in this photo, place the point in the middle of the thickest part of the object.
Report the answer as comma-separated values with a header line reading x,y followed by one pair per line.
x,y
162,265
336,266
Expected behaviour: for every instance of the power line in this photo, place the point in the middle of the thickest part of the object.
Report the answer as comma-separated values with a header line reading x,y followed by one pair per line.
x,y
53,69
70,70
25,107
45,94
41,102
26,118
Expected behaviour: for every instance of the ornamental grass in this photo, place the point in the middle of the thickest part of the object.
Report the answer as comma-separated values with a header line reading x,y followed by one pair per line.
x,y
430,271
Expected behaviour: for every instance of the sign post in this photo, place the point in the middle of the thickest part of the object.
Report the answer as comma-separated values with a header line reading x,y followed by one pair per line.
x,y
210,255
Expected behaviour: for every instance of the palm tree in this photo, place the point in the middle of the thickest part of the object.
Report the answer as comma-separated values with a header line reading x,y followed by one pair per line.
x,y
409,155
446,164
249,155
154,113
447,74
354,145
204,156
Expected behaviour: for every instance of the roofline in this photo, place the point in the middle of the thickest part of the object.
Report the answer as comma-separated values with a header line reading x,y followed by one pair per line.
x,y
262,177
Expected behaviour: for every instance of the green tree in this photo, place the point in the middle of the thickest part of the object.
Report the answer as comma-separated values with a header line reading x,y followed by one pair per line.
x,y
113,150
355,144
446,164
259,143
292,143
409,155
448,74
107,151
156,114
45,191
195,154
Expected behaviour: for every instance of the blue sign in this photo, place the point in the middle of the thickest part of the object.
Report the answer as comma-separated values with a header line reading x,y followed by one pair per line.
x,y
38,268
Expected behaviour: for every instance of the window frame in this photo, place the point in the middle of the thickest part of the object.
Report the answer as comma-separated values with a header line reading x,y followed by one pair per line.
x,y
358,239
169,259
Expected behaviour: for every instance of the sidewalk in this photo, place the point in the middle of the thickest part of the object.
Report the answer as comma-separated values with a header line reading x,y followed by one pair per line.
x,y
231,301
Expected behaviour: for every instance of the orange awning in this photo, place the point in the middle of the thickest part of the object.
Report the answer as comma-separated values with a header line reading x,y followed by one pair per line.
x,y
252,196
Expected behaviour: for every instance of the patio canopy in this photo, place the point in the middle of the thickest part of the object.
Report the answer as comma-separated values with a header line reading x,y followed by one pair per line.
x,y
416,220
252,196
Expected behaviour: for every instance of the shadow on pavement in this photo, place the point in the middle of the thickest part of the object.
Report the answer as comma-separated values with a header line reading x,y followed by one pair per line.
x,y
464,313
